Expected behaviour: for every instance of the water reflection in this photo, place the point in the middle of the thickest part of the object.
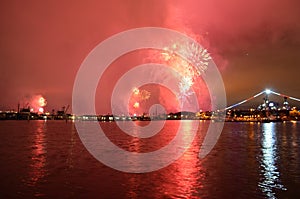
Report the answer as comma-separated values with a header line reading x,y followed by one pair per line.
x,y
70,158
249,161
39,150
188,171
185,176
181,179
270,173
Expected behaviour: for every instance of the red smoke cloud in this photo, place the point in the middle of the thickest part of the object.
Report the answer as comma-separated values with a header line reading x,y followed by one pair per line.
x,y
44,43
35,103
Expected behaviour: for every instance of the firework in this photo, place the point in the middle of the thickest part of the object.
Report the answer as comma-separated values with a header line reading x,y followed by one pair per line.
x,y
144,95
42,101
135,91
35,102
138,97
185,84
194,58
190,60
136,105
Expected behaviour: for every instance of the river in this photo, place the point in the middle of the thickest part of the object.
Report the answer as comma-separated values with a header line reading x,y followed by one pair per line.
x,y
46,159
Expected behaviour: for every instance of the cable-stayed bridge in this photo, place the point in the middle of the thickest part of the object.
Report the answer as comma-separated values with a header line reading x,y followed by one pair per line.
x,y
266,111
266,102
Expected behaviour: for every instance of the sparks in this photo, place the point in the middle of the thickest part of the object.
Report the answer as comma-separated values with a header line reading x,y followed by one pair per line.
x,y
190,60
185,84
42,101
136,91
144,95
136,105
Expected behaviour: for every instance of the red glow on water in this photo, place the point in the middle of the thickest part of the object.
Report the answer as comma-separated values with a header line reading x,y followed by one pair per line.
x,y
38,156
136,144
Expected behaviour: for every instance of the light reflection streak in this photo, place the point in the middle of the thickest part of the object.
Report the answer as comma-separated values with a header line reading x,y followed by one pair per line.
x,y
133,186
70,158
38,156
293,144
271,175
186,174
182,179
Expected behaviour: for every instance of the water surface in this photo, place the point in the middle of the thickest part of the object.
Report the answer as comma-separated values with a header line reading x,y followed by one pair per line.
x,y
250,160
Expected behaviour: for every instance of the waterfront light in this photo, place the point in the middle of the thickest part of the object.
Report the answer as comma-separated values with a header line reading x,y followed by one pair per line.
x,y
271,104
268,91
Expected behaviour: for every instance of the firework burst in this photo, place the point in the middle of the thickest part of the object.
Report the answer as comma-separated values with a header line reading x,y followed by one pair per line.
x,y
139,96
190,60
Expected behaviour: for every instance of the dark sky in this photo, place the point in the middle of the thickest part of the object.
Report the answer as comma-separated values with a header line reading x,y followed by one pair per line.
x,y
256,44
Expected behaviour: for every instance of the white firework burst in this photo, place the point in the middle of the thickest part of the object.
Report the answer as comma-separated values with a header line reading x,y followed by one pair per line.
x,y
196,55
193,61
189,59
185,84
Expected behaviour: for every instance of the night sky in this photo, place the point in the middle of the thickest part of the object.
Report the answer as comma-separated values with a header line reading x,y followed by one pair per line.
x,y
256,44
